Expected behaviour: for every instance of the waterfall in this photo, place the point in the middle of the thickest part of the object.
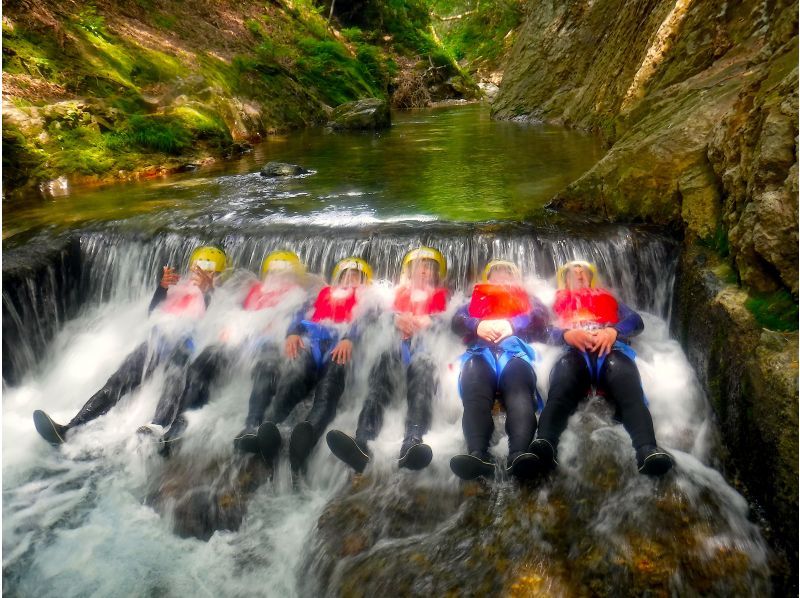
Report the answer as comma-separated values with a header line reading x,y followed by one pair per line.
x,y
68,510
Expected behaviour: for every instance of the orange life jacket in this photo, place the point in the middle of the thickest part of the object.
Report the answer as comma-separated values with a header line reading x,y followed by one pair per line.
x,y
596,306
338,309
419,302
184,299
260,297
498,301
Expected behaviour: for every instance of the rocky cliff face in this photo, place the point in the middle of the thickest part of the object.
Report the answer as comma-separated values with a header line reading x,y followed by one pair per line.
x,y
698,104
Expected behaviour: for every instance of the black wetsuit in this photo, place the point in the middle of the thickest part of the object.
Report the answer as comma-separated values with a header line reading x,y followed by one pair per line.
x,y
135,369
618,379
420,388
516,388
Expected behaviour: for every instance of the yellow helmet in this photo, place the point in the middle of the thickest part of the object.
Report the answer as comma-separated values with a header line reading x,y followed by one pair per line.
x,y
282,261
561,275
425,253
351,263
208,258
511,265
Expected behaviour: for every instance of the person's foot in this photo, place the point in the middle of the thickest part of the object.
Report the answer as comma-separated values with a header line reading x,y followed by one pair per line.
x,y
652,460
545,451
474,465
151,429
301,443
268,440
246,441
348,449
524,466
415,456
48,429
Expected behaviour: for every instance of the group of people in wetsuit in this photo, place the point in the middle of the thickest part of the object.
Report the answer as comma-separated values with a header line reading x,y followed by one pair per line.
x,y
497,325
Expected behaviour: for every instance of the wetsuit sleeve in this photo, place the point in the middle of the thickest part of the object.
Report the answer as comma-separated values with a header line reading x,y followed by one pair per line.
x,y
158,297
630,323
533,326
463,324
297,326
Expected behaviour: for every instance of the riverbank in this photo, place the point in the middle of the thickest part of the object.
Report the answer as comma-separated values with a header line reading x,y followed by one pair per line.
x,y
122,91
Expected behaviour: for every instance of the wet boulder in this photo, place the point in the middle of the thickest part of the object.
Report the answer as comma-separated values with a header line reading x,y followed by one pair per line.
x,y
369,114
594,527
200,499
276,169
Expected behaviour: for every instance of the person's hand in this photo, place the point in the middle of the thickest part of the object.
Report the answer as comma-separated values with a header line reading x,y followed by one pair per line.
x,y
202,278
422,322
494,330
604,340
582,340
168,277
342,352
405,324
293,345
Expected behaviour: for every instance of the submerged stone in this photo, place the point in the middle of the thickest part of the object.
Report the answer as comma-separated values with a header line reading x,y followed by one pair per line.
x,y
276,169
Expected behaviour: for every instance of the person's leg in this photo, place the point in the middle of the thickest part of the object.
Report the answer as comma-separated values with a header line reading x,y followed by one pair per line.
x,y
326,398
518,392
169,404
136,366
620,379
381,388
196,388
265,382
478,388
296,379
569,382
421,387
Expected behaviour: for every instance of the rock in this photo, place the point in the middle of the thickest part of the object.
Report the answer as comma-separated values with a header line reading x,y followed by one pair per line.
x,y
489,90
274,169
750,377
370,114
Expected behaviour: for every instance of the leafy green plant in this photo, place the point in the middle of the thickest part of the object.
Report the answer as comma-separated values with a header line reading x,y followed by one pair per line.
x,y
92,22
775,311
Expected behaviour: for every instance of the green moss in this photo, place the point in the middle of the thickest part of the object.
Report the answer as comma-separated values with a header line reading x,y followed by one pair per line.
x,y
775,311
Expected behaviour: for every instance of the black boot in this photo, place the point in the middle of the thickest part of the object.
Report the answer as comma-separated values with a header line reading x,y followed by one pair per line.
x,y
475,465
268,440
247,440
301,443
523,466
414,454
652,460
51,431
545,450
172,436
347,449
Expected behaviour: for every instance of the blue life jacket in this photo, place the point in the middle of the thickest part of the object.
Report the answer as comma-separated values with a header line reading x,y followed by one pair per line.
x,y
498,356
321,341
596,367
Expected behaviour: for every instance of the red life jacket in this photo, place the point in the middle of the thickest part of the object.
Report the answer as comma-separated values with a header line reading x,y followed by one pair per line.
x,y
498,301
184,299
260,298
328,307
585,305
419,302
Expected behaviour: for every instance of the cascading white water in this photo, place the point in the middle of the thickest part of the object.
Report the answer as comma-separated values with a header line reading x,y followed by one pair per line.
x,y
74,521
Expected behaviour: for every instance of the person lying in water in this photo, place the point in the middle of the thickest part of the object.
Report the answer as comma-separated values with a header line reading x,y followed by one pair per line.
x,y
595,330
319,347
175,297
497,325
418,299
281,273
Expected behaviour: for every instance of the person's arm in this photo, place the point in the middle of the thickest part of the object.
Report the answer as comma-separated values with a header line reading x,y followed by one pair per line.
x,y
534,325
629,324
296,327
158,297
168,278
463,324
